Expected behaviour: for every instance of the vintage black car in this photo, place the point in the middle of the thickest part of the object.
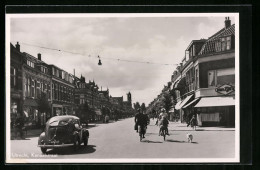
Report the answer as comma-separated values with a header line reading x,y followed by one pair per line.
x,y
63,131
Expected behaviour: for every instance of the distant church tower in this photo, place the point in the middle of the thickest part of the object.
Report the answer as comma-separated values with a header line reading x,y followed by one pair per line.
x,y
129,98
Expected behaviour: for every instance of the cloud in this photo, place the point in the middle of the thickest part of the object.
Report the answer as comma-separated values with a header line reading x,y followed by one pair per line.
x,y
158,40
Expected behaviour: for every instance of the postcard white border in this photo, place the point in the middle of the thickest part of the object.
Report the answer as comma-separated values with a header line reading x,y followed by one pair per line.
x,y
236,159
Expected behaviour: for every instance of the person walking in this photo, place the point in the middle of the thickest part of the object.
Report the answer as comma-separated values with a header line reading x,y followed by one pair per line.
x,y
137,118
193,122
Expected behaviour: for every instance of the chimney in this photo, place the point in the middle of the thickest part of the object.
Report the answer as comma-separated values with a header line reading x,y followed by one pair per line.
x,y
227,22
17,46
39,56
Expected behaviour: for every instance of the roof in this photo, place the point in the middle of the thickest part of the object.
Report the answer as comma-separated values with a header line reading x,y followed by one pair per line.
x,y
62,118
193,41
209,46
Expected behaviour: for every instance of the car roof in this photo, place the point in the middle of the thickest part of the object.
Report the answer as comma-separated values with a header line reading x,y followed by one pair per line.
x,y
62,118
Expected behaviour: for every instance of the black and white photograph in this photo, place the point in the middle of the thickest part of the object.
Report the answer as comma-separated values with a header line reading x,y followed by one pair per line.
x,y
122,88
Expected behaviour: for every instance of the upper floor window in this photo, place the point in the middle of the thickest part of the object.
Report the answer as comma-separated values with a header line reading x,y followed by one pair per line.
x,y
221,76
53,71
30,63
43,69
13,77
223,44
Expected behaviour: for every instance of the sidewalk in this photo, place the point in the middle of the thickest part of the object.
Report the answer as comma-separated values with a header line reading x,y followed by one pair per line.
x,y
29,133
178,126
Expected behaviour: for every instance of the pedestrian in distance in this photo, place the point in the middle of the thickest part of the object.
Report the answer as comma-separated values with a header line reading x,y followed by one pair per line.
x,y
140,120
193,122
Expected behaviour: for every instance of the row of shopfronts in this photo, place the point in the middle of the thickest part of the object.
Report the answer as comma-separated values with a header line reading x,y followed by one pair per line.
x,y
204,82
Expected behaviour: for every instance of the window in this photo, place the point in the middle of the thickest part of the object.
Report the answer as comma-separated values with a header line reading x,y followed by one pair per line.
x,y
30,63
221,76
53,71
29,87
53,91
228,43
61,93
224,44
38,89
57,72
13,77
197,79
33,89
43,69
49,91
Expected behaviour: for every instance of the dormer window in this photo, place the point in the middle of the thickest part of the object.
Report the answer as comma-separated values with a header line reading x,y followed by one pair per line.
x,y
223,44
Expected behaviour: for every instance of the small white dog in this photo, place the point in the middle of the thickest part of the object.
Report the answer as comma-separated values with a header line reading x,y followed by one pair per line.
x,y
189,137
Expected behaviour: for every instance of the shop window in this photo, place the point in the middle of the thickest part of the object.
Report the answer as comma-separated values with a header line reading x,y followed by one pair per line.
x,y
221,76
226,76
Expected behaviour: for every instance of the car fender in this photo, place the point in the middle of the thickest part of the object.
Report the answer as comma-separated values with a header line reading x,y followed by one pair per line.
x,y
41,138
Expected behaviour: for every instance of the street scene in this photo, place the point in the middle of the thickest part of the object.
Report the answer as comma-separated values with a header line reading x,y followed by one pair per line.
x,y
122,87
118,140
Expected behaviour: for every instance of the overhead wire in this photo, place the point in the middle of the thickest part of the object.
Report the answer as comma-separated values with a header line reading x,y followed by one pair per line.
x,y
108,58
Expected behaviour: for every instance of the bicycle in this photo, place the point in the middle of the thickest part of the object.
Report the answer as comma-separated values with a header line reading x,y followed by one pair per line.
x,y
141,130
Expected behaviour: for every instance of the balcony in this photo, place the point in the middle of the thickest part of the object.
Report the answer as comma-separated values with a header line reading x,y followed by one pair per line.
x,y
211,91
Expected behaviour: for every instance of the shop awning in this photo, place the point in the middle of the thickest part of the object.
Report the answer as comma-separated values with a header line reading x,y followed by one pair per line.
x,y
184,102
30,102
216,101
177,106
174,85
193,101
98,112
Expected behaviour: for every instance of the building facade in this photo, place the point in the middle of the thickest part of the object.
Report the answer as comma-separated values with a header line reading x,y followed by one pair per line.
x,y
16,82
207,84
62,92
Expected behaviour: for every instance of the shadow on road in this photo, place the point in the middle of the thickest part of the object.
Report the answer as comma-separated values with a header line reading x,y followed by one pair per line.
x,y
177,141
149,141
71,151
170,140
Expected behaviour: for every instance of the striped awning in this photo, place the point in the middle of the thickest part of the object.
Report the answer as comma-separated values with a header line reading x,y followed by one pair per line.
x,y
216,101
192,102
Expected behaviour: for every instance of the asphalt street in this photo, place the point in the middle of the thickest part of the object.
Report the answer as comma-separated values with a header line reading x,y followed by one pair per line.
x,y
119,140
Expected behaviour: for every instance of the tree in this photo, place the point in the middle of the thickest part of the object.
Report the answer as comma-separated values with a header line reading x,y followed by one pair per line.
x,y
84,112
167,102
44,106
137,105
143,107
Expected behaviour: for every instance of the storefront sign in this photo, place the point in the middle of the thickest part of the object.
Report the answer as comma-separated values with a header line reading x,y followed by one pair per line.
x,y
225,89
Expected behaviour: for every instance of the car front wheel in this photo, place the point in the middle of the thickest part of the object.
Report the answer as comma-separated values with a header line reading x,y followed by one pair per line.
x,y
86,141
44,150
76,143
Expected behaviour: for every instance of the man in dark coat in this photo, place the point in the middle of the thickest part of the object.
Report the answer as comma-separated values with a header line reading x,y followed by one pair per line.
x,y
140,120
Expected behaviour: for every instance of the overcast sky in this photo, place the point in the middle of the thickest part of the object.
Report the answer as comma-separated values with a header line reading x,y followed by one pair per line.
x,y
161,40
